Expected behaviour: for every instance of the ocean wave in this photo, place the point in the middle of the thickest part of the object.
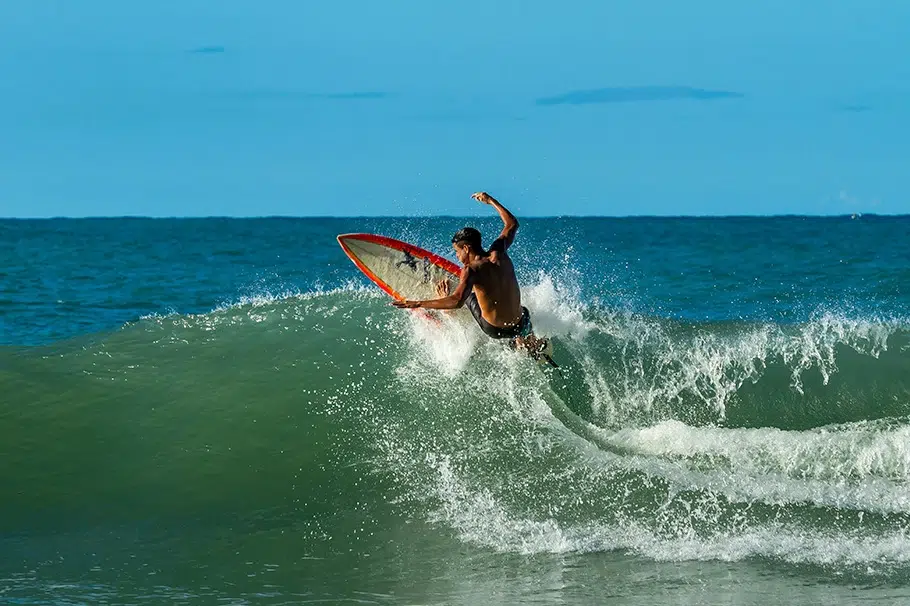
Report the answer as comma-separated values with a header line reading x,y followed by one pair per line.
x,y
675,440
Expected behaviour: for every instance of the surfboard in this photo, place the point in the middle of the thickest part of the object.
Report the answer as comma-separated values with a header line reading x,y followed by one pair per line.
x,y
402,270
405,271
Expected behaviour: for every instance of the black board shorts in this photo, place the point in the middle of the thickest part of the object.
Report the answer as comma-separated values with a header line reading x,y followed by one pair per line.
x,y
522,329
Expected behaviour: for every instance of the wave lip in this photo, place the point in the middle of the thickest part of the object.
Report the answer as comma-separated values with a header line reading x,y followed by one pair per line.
x,y
853,452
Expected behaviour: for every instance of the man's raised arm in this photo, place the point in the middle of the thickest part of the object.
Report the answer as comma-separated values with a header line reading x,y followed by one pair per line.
x,y
510,222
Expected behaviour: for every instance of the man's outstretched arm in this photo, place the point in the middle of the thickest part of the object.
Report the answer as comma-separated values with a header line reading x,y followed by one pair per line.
x,y
507,236
453,301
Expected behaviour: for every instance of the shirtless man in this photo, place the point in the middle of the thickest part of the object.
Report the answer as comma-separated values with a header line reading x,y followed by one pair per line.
x,y
488,285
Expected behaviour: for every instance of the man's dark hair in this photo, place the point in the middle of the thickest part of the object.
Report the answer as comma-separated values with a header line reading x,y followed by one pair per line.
x,y
469,236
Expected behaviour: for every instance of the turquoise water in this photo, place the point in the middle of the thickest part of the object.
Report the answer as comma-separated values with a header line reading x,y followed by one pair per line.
x,y
225,411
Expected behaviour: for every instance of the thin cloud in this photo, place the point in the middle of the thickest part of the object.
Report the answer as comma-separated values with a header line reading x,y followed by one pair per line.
x,y
298,95
636,94
207,50
855,108
355,95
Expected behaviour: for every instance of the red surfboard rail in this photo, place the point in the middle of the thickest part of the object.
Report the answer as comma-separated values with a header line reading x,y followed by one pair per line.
x,y
392,243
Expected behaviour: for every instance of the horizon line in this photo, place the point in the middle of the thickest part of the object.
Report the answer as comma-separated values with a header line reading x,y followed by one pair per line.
x,y
254,217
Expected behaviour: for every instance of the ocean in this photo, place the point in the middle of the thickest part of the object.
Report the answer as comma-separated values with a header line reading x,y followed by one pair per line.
x,y
225,411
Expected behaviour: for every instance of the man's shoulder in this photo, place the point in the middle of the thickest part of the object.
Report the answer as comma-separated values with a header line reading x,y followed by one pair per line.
x,y
491,259
495,257
485,269
472,270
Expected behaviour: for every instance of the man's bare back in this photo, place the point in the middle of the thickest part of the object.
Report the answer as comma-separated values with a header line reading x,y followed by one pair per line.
x,y
496,289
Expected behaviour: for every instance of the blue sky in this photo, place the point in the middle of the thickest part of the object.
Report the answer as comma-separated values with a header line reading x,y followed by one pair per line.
x,y
406,107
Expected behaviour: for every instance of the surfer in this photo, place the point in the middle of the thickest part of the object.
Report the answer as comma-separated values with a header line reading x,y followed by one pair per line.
x,y
487,285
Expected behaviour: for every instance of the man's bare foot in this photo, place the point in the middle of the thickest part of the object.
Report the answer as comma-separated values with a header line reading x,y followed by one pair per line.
x,y
531,344
536,347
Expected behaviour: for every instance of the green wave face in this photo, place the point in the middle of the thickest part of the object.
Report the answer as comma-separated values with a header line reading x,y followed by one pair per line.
x,y
335,421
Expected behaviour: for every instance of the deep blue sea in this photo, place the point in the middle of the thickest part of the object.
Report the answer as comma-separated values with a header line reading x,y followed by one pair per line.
x,y
202,411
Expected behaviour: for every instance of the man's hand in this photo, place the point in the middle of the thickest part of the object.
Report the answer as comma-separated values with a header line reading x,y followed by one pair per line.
x,y
406,304
510,223
484,198
442,288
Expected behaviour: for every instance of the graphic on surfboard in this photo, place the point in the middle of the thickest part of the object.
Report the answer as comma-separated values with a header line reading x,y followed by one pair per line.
x,y
404,271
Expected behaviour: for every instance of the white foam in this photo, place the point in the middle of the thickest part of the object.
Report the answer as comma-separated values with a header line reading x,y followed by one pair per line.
x,y
854,451
705,477
654,368
555,309
850,468
266,298
503,485
265,306
446,341
479,518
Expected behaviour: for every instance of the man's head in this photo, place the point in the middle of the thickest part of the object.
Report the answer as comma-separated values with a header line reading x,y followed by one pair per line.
x,y
466,241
